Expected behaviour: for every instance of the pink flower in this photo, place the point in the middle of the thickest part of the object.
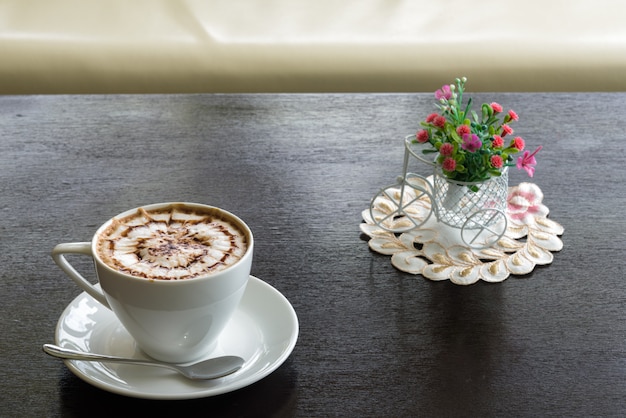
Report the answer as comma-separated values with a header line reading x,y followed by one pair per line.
x,y
449,164
497,142
524,202
471,143
443,93
439,121
528,162
422,136
446,149
496,107
496,161
506,130
518,143
463,130
513,115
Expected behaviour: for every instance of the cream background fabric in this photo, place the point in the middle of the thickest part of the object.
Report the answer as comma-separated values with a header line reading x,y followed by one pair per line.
x,y
163,46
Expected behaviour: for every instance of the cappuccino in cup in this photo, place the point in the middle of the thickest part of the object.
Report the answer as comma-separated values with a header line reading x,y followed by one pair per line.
x,y
173,274
171,243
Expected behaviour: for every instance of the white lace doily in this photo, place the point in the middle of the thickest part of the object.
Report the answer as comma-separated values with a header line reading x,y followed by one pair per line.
x,y
437,252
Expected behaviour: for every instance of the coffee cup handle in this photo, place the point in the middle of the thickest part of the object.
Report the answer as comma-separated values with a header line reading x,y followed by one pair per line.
x,y
82,248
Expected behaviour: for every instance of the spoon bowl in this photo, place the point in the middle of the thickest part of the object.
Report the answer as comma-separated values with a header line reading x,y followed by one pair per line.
x,y
212,368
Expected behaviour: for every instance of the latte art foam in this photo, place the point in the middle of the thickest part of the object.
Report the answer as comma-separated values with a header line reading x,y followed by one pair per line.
x,y
171,244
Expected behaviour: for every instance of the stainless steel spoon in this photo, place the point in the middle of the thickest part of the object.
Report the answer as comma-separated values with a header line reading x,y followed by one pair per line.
x,y
204,370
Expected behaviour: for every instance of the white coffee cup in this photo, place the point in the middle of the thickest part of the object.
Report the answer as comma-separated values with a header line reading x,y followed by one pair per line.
x,y
175,321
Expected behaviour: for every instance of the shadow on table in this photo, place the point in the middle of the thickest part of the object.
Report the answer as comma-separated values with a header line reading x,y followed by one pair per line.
x,y
455,336
273,396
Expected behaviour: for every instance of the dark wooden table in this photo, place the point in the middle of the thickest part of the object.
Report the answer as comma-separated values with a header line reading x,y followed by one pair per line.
x,y
300,169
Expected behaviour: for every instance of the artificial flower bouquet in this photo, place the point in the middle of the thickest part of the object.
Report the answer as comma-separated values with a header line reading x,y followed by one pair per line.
x,y
472,148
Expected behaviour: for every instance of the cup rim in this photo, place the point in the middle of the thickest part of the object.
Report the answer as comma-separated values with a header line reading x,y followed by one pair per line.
x,y
241,224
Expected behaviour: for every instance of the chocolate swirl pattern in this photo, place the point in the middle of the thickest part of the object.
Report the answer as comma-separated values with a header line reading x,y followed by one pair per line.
x,y
171,244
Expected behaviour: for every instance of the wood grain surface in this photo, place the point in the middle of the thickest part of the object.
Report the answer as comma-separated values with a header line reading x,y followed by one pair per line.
x,y
299,169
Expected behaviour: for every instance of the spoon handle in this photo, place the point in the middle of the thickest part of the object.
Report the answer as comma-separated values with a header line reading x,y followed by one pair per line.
x,y
66,353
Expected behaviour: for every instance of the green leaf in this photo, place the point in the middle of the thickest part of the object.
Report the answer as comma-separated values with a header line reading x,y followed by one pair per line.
x,y
487,111
510,150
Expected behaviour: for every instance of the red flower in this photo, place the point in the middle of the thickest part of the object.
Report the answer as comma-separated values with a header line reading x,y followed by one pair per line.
x,y
431,117
422,136
518,143
463,130
439,121
513,115
497,142
496,161
446,149
496,107
449,164
506,130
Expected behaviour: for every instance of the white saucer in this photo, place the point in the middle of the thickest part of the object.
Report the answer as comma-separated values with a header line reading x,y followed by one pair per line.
x,y
263,331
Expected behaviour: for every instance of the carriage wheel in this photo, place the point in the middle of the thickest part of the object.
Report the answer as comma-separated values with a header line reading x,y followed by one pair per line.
x,y
402,211
484,228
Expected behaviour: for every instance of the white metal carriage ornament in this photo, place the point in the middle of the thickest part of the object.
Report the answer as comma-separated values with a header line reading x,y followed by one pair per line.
x,y
477,208
481,229
470,179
